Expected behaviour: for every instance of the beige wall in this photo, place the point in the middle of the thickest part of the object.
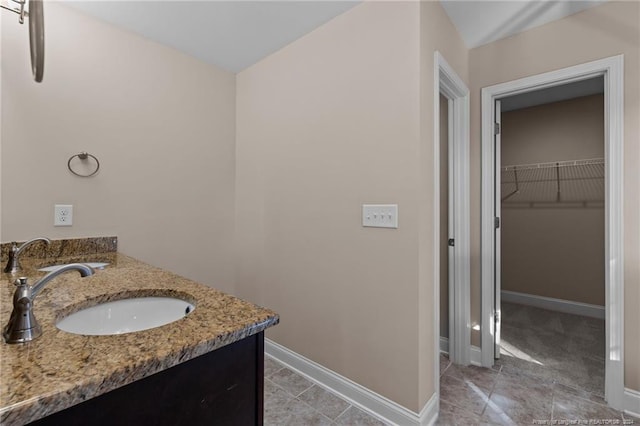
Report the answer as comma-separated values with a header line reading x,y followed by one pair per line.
x,y
444,217
606,30
558,250
342,117
161,123
566,130
554,252
324,125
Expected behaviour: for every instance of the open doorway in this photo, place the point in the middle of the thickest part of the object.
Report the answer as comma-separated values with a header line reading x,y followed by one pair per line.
x,y
445,226
452,215
610,71
552,268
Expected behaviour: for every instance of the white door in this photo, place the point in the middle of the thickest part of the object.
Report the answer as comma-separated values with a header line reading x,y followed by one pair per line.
x,y
453,349
497,233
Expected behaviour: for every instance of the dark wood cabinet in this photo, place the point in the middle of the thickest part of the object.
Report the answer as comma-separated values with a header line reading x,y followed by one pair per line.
x,y
223,387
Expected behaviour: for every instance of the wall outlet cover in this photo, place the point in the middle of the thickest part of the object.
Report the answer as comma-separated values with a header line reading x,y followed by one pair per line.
x,y
63,215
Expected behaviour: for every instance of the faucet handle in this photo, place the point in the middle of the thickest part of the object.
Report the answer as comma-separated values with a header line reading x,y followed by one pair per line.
x,y
13,263
13,250
20,281
23,325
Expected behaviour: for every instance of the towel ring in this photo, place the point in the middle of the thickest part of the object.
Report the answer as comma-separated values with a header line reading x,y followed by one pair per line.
x,y
83,156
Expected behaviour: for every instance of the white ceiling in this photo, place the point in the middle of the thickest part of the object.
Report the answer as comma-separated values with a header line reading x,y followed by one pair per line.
x,y
234,34
230,34
480,22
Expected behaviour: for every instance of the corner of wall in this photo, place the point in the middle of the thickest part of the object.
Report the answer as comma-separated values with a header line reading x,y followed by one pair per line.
x,y
437,33
1,119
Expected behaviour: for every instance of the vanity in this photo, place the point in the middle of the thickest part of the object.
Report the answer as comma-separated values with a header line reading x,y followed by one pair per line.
x,y
205,368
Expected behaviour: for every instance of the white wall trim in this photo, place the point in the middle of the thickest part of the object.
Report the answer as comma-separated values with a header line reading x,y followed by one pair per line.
x,y
476,356
429,413
356,394
632,402
476,353
552,304
447,82
444,345
613,70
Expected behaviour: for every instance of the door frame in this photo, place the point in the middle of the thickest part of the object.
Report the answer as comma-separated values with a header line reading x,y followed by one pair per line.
x,y
612,68
497,235
447,82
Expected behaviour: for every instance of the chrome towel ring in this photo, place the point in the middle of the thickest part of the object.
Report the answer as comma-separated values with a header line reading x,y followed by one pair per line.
x,y
84,156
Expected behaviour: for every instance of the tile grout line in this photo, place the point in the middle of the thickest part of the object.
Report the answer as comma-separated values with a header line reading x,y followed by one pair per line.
x,y
495,383
313,409
297,397
274,372
286,391
446,368
343,411
459,406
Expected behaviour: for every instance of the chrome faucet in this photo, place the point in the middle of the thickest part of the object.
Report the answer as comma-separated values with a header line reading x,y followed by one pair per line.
x,y
13,265
23,326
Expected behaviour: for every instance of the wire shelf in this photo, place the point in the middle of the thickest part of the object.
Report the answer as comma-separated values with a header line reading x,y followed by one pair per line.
x,y
578,182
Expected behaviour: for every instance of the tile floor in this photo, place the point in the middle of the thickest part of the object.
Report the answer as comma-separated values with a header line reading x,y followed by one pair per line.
x,y
292,400
508,396
551,370
569,349
468,396
535,387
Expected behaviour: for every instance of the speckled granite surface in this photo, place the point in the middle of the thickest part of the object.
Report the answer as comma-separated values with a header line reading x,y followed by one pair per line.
x,y
64,248
60,369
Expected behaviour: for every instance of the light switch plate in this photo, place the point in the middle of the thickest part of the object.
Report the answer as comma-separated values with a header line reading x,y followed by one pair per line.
x,y
380,215
63,215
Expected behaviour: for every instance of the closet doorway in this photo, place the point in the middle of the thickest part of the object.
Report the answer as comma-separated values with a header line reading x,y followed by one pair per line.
x,y
551,146
529,197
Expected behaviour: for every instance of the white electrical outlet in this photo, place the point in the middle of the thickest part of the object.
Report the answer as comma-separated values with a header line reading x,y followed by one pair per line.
x,y
63,215
380,215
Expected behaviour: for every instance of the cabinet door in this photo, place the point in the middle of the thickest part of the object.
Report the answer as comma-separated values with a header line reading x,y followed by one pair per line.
x,y
223,387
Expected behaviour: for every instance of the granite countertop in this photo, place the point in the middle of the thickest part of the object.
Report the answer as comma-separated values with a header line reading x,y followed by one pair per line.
x,y
59,369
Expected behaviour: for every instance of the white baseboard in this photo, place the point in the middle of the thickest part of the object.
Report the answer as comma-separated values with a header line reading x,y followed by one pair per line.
x,y
429,413
632,402
354,393
559,305
476,356
444,345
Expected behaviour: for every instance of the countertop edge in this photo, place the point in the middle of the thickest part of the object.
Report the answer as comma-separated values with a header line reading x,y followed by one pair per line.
x,y
50,404
70,393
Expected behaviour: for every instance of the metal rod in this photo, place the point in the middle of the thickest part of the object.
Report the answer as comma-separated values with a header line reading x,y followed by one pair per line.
x,y
567,163
517,190
554,179
20,11
2,6
558,179
554,204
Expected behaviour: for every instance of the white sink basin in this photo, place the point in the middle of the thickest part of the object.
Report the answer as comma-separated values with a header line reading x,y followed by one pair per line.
x,y
94,265
126,316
